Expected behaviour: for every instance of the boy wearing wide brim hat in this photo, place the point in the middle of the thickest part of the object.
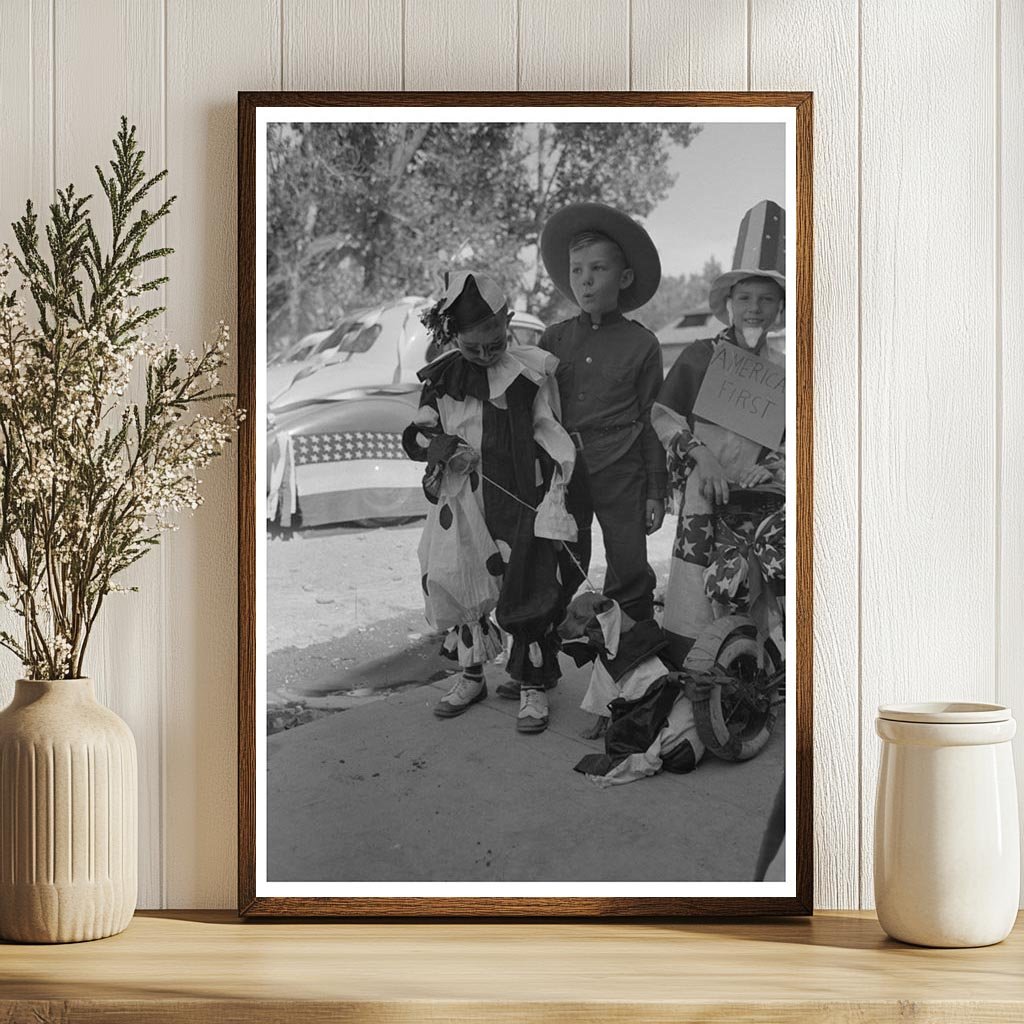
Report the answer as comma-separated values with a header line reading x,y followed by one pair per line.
x,y
609,375
705,458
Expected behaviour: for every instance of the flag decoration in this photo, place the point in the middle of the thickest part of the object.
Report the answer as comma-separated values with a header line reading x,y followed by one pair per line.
x,y
727,577
347,446
769,547
342,476
742,558
761,242
695,539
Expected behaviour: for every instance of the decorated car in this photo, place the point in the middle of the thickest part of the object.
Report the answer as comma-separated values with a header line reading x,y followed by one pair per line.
x,y
374,346
371,346
341,460
335,420
302,349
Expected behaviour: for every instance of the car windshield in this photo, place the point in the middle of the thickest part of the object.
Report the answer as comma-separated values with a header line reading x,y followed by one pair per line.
x,y
353,336
295,354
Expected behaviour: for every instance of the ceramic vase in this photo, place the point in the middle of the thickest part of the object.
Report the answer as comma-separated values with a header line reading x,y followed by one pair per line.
x,y
68,815
947,847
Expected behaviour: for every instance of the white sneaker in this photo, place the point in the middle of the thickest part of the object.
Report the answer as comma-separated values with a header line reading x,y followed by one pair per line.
x,y
461,697
533,711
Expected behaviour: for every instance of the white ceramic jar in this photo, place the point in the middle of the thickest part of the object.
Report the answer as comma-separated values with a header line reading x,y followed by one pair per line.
x,y
947,847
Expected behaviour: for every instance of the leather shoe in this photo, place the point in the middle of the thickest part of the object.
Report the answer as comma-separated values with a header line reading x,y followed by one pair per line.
x,y
510,689
533,711
460,698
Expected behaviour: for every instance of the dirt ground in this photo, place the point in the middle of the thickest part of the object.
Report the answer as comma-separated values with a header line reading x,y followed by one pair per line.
x,y
341,597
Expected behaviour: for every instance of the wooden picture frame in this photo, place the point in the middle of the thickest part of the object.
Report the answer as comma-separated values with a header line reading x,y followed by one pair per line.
x,y
255,109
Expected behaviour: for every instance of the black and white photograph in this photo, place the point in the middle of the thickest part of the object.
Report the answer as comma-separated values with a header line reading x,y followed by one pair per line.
x,y
525,561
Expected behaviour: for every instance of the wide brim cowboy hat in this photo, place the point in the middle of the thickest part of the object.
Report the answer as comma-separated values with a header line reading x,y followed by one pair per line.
x,y
640,252
723,286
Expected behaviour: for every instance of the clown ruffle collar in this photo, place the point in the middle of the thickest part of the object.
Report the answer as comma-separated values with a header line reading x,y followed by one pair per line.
x,y
452,375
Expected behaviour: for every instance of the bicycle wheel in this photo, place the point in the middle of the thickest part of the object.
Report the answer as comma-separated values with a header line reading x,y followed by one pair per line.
x,y
731,724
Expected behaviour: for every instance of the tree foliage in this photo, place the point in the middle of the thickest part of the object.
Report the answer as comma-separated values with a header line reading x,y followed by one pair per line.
x,y
360,213
677,295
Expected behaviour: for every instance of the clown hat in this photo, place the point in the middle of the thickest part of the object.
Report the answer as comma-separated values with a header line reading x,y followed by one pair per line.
x,y
641,255
470,298
760,252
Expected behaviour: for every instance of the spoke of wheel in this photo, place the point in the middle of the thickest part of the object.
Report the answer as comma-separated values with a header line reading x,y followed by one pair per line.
x,y
735,708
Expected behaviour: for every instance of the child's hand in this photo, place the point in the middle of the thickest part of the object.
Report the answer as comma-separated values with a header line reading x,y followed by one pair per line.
x,y
755,475
655,514
714,486
465,459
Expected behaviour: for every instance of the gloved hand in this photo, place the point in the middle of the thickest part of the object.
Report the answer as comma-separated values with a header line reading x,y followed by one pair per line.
x,y
441,449
465,459
440,452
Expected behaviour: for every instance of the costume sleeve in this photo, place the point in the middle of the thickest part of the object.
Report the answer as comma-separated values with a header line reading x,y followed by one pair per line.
x,y
672,412
548,432
425,426
649,382
674,432
669,425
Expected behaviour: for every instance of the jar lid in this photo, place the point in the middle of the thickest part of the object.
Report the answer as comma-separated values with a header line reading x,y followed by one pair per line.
x,y
945,713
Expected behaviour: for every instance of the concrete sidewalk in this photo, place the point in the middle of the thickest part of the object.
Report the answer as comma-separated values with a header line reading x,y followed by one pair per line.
x,y
388,792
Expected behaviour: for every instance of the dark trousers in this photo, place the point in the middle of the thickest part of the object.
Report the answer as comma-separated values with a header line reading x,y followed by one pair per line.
x,y
617,496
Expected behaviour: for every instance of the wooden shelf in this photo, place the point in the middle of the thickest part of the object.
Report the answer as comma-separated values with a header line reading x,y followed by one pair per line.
x,y
208,966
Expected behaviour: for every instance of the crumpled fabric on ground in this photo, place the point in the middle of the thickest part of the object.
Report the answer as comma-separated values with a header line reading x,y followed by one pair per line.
x,y
655,731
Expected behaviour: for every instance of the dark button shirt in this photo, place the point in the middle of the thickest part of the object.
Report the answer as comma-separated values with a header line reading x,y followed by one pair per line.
x,y
609,374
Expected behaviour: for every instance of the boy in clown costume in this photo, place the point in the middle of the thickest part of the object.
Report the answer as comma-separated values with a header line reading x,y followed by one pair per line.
x,y
498,463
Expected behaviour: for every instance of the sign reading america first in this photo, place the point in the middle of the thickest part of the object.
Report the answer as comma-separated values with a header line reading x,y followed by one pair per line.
x,y
745,393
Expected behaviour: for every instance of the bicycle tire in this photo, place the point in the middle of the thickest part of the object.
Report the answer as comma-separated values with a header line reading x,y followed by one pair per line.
x,y
731,730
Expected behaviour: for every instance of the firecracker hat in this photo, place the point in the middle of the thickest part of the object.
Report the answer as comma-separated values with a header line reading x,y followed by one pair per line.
x,y
760,252
636,245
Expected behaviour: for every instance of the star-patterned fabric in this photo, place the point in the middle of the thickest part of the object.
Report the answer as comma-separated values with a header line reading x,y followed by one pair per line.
x,y
695,539
728,577
770,548
347,446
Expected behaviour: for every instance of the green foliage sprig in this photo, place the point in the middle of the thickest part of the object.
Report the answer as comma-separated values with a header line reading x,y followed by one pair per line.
x,y
89,478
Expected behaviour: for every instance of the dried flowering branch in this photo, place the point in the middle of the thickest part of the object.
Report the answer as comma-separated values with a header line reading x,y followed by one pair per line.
x,y
89,478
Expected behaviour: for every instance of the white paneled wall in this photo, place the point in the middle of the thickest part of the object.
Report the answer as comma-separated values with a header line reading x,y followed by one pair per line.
x,y
919,420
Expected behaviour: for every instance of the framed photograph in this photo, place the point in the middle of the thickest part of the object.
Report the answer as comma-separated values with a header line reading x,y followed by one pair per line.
x,y
525,504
